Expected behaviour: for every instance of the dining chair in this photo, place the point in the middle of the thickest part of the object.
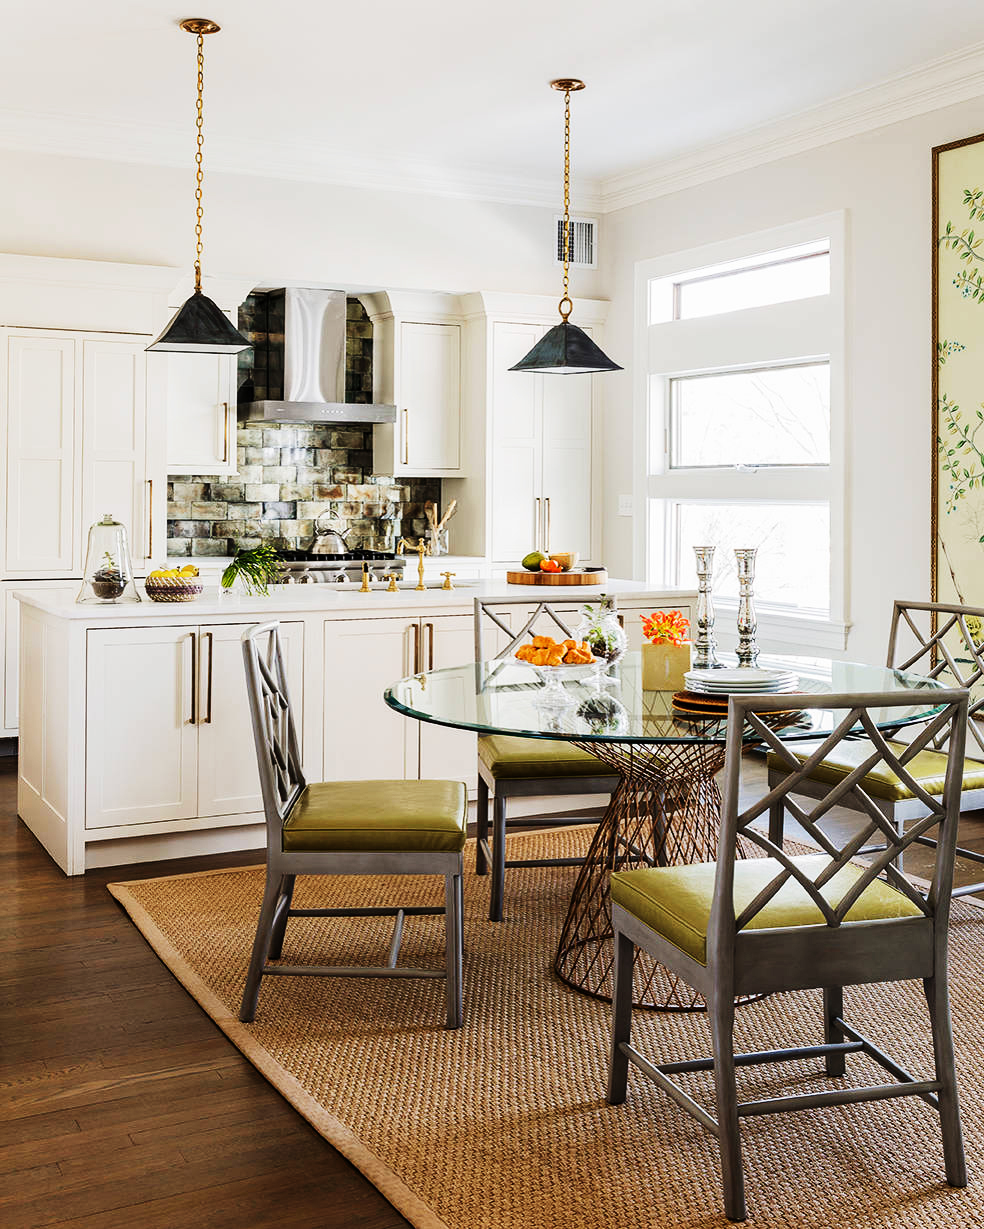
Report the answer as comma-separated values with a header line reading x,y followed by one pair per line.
x,y
513,767
344,828
941,641
779,922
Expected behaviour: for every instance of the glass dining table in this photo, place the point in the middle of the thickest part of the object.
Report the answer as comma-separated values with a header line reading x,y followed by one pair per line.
x,y
666,808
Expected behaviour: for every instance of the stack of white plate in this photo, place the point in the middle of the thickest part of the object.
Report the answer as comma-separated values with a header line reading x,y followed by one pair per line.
x,y
741,681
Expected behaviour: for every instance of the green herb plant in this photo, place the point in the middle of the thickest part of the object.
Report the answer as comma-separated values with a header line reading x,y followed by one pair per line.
x,y
258,567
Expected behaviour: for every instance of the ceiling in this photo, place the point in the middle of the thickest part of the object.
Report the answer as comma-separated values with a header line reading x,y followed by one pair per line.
x,y
418,93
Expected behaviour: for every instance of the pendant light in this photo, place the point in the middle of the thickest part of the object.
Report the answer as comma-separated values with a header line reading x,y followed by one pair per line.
x,y
200,326
566,349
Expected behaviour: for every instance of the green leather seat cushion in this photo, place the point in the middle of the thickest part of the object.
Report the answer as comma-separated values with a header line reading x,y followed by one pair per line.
x,y
675,901
927,767
505,756
377,816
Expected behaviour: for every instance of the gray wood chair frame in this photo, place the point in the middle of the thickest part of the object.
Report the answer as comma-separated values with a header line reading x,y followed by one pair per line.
x,y
493,854
931,657
282,782
828,956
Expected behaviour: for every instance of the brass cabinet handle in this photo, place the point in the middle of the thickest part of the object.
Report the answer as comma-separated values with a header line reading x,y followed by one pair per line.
x,y
194,679
429,627
406,436
150,518
536,524
207,719
415,628
225,433
546,539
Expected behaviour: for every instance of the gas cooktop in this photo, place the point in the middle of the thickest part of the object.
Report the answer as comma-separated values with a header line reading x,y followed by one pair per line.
x,y
358,555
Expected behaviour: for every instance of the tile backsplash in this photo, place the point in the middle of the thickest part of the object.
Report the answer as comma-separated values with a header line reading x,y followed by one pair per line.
x,y
291,473
287,476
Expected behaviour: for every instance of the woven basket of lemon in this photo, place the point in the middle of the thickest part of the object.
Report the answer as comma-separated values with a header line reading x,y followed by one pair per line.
x,y
173,584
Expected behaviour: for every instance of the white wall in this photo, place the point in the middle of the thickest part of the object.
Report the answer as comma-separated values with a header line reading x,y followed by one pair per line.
x,y
882,180
275,230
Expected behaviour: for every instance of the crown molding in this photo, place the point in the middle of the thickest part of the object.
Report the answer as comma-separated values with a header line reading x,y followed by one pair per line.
x,y
147,145
954,78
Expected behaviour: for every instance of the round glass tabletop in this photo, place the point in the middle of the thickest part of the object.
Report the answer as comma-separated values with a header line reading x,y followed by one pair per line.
x,y
510,697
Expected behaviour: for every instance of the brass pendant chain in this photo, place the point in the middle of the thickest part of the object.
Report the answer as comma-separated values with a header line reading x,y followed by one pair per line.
x,y
566,298
198,164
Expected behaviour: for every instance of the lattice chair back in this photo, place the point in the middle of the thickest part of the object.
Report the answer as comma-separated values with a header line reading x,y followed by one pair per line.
x,y
543,620
278,757
747,719
944,642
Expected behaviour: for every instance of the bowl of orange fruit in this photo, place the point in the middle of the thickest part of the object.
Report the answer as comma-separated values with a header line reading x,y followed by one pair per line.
x,y
559,659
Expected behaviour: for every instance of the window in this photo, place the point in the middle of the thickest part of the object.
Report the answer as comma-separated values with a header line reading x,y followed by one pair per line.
x,y
759,416
799,272
742,413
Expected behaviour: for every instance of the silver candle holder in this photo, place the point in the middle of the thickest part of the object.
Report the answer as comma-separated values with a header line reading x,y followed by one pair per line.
x,y
704,655
747,651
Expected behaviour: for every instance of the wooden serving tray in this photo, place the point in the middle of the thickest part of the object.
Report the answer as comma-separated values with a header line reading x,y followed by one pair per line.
x,y
587,576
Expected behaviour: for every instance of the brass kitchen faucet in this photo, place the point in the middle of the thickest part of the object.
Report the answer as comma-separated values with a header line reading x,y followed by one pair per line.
x,y
422,549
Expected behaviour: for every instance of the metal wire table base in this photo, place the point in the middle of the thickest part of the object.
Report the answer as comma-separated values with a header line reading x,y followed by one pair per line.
x,y
665,812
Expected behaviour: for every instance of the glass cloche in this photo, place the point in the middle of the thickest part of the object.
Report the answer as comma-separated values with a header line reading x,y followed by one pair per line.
x,y
601,629
108,575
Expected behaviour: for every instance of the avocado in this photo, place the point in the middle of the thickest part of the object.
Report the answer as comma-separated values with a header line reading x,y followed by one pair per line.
x,y
533,560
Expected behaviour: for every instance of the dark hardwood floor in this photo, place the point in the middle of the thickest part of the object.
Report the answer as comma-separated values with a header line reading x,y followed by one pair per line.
x,y
123,1105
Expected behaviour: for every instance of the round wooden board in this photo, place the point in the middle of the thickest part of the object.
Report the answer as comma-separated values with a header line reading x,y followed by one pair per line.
x,y
591,576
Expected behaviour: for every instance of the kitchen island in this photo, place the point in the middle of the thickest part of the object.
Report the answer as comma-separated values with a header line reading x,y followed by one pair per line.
x,y
135,741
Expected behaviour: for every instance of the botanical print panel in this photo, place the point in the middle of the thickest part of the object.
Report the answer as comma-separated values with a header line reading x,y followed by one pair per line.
x,y
958,471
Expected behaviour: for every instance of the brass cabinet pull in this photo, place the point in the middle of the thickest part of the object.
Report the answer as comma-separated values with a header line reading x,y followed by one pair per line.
x,y
225,433
415,628
546,537
150,518
406,436
537,542
194,679
429,627
207,719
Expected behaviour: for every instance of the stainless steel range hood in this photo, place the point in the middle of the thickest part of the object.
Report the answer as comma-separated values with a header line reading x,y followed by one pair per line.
x,y
300,365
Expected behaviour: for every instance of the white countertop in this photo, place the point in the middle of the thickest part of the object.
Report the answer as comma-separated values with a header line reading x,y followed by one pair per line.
x,y
335,600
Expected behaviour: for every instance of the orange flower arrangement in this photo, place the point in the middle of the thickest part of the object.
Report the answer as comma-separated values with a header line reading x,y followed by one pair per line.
x,y
665,627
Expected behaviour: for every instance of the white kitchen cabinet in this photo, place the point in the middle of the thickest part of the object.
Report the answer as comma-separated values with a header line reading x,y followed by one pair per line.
x,y
445,753
200,411
10,639
228,780
81,440
141,751
43,431
168,728
541,458
364,738
121,470
417,368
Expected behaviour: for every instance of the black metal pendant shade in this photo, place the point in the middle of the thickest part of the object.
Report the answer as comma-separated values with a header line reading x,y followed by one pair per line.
x,y
566,350
200,327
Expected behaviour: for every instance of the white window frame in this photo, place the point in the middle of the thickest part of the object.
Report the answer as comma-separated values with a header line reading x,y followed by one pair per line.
x,y
758,336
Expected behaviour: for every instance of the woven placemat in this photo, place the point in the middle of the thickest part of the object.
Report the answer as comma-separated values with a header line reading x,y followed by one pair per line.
x,y
503,1124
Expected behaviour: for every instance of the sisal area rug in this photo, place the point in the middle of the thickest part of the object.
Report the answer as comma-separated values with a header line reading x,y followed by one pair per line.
x,y
503,1124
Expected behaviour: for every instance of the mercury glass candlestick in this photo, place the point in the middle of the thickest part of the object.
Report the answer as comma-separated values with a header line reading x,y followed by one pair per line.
x,y
747,651
704,656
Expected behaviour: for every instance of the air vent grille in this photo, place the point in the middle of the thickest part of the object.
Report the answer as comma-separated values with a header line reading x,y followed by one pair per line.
x,y
582,248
